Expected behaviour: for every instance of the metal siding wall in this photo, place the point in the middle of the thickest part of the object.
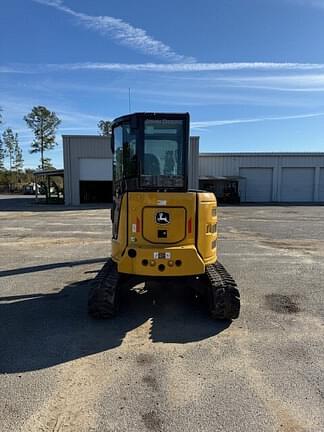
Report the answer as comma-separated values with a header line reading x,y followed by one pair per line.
x,y
214,166
75,147
230,164
95,169
82,147
67,171
295,161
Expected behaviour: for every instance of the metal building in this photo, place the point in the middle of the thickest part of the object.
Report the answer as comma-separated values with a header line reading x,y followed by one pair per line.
x,y
88,168
269,177
260,177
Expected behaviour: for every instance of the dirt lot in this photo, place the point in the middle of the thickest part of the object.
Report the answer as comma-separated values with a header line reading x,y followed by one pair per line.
x,y
162,365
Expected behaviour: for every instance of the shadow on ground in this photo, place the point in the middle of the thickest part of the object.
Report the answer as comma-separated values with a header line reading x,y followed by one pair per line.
x,y
45,267
21,203
42,330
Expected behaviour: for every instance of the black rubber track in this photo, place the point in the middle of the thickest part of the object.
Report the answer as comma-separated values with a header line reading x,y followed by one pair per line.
x,y
223,294
104,294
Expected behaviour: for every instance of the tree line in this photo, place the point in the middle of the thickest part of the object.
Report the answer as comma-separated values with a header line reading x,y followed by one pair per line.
x,y
44,124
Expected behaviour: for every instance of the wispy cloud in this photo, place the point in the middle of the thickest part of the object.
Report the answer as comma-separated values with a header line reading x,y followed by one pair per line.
x,y
72,120
8,69
214,123
160,67
312,3
189,67
286,83
121,32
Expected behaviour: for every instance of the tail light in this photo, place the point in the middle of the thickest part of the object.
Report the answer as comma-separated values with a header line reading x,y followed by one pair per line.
x,y
189,226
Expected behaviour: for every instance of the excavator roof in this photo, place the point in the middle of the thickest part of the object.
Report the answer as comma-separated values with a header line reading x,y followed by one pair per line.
x,y
149,115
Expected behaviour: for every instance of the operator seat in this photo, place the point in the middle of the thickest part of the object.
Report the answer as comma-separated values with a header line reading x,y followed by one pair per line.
x,y
151,165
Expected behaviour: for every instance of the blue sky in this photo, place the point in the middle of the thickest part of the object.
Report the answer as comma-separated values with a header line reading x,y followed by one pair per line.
x,y
250,72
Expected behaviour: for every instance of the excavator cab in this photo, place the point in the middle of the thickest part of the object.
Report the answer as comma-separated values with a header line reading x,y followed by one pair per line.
x,y
150,152
160,228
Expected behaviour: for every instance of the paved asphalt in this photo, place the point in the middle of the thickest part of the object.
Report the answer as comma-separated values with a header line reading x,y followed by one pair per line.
x,y
163,364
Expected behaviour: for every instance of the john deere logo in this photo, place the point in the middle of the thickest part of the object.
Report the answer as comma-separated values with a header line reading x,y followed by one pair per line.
x,y
162,218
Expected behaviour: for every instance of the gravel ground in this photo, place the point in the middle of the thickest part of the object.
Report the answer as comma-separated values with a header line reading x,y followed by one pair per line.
x,y
162,364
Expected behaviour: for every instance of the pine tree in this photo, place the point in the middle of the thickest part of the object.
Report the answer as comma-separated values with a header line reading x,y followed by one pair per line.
x,y
9,141
44,124
47,165
2,156
18,156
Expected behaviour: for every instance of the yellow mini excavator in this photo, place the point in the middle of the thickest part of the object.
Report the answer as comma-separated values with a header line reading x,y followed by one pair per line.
x,y
160,228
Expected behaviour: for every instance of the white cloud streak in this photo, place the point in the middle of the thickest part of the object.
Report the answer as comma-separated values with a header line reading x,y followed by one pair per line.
x,y
214,123
160,67
285,83
121,32
187,67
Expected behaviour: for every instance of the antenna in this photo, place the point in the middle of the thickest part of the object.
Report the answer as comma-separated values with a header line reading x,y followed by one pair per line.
x,y
129,99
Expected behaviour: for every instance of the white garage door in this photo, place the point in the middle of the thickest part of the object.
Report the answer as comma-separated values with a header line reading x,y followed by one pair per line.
x,y
258,184
297,184
95,169
321,185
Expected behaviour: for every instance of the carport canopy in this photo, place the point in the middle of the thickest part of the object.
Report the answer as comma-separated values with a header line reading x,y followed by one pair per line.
x,y
47,176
